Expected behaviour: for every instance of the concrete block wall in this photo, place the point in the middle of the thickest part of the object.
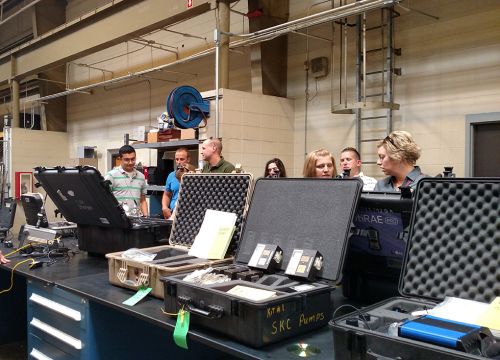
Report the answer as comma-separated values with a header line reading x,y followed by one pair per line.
x,y
32,148
256,128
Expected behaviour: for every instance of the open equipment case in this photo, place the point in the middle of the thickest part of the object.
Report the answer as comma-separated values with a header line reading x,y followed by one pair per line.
x,y
453,250
377,247
294,214
198,192
82,195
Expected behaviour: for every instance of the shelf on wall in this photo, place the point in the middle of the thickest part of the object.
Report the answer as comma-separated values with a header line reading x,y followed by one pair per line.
x,y
167,144
156,188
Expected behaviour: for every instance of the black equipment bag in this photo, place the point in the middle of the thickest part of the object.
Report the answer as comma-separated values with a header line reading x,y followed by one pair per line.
x,y
453,251
307,214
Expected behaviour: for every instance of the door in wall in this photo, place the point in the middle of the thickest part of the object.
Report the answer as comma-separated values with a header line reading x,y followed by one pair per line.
x,y
486,149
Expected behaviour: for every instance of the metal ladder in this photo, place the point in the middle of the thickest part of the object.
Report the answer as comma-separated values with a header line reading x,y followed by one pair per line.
x,y
375,70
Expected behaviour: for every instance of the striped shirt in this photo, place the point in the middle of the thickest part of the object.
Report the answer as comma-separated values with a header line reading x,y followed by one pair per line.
x,y
127,189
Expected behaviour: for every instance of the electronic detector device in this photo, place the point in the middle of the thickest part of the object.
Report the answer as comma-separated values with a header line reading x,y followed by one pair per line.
x,y
448,333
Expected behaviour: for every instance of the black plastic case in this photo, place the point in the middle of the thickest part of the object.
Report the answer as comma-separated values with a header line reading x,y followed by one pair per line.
x,y
313,214
453,250
99,240
83,197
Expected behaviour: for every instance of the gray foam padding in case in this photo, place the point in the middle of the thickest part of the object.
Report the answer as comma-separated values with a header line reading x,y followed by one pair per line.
x,y
311,214
454,245
199,192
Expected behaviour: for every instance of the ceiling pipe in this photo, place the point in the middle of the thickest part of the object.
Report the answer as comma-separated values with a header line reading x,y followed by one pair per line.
x,y
261,35
319,18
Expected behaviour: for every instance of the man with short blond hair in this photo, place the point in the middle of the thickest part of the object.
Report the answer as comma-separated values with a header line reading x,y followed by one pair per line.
x,y
211,150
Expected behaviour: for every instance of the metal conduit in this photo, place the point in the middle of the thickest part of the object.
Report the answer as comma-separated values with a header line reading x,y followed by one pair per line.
x,y
258,36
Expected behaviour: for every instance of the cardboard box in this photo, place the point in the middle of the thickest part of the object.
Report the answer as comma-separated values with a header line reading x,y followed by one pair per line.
x,y
169,134
165,135
152,137
188,134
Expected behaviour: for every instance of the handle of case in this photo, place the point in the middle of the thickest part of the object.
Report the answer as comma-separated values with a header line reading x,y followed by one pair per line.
x,y
373,356
209,311
142,279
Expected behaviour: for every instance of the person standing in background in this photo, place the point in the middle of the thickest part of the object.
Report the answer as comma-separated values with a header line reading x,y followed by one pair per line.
x,y
397,158
319,164
275,169
127,184
172,185
351,160
211,150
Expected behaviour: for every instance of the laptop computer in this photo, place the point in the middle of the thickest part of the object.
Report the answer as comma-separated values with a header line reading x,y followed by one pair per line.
x,y
83,196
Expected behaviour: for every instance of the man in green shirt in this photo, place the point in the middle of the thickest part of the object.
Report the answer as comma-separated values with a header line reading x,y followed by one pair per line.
x,y
211,150
127,184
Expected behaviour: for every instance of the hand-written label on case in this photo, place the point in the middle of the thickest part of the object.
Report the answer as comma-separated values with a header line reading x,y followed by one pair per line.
x,y
284,325
280,326
275,310
307,320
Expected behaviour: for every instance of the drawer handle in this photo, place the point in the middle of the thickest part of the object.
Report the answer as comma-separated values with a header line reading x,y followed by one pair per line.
x,y
35,354
55,306
56,333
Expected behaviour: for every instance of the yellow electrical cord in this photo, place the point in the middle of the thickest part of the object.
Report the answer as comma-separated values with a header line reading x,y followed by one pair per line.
x,y
169,314
13,252
172,314
15,266
12,273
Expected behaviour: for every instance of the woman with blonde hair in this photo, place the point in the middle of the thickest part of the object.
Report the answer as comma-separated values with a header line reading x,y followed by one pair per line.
x,y
319,164
397,157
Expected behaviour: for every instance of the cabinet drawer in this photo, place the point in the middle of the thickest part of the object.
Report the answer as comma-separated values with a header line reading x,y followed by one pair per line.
x,y
41,350
57,318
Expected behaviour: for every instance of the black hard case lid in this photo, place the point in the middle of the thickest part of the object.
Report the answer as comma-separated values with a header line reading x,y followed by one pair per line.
x,y
200,192
82,196
454,240
314,214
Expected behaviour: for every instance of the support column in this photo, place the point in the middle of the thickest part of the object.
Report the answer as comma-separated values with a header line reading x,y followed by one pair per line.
x,y
14,96
269,58
48,15
224,20
15,103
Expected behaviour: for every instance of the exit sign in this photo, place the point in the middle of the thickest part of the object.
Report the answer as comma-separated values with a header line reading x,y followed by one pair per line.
x,y
189,4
